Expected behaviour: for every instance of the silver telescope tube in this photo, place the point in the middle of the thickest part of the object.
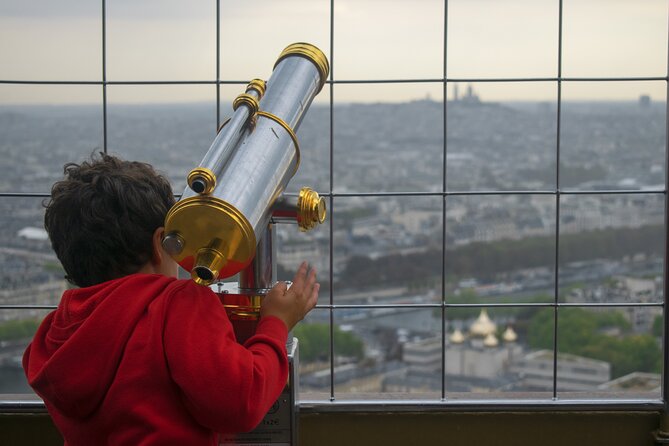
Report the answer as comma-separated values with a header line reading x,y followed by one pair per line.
x,y
214,229
269,157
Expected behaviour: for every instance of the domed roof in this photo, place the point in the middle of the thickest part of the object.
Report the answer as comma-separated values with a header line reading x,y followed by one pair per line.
x,y
483,326
457,337
509,335
490,341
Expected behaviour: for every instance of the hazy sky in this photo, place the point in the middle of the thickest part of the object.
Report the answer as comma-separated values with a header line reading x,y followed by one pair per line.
x,y
373,39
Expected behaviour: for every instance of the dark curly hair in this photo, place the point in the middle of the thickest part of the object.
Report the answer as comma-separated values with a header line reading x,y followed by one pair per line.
x,y
102,216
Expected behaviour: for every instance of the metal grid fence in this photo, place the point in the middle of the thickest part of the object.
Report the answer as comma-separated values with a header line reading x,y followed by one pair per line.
x,y
444,404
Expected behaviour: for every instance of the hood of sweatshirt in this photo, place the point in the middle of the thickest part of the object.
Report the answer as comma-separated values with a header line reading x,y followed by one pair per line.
x,y
75,353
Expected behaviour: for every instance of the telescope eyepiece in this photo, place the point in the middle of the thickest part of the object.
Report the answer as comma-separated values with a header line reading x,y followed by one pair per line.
x,y
198,185
204,273
201,180
208,263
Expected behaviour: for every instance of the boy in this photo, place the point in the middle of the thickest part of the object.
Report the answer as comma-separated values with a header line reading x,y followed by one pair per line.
x,y
135,356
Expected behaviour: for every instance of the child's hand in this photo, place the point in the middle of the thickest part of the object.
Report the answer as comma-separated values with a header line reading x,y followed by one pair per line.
x,y
292,304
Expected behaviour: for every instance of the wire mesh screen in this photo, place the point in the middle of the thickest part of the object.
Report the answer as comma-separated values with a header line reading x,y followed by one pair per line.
x,y
495,175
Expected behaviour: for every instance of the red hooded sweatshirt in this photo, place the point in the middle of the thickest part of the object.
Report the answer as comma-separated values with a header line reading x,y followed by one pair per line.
x,y
151,360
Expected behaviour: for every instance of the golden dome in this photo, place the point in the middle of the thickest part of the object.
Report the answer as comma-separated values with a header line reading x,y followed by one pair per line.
x,y
457,337
483,326
490,341
509,335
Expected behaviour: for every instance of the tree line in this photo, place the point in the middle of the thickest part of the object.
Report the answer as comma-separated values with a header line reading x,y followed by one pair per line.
x,y
315,339
485,260
587,333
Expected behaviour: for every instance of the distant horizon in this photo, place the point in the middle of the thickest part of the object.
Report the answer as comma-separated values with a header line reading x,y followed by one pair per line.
x,y
326,104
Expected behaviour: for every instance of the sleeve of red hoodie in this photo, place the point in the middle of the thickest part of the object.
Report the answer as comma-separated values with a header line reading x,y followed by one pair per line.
x,y
227,387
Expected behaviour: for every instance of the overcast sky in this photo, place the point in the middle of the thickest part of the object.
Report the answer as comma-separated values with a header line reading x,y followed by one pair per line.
x,y
373,39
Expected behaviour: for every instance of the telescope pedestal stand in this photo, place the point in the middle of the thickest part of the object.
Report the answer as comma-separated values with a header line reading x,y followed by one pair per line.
x,y
279,427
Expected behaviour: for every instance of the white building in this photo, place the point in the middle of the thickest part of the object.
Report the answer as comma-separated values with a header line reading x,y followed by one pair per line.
x,y
479,355
574,373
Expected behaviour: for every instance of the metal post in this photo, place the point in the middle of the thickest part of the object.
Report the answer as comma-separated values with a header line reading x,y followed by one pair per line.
x,y
260,275
557,204
444,188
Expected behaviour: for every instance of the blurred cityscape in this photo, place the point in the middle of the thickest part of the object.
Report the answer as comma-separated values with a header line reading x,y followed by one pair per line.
x,y
387,250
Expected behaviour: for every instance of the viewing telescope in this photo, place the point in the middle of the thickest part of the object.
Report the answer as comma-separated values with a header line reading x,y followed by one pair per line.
x,y
236,191
224,222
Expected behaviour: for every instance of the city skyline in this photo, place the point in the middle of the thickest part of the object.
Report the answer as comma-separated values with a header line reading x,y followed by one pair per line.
x,y
393,259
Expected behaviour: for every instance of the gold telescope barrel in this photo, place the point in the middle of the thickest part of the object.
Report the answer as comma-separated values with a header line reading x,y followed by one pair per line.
x,y
213,231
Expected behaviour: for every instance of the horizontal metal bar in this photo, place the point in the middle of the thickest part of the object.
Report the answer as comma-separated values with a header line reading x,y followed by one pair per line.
x,y
615,79
166,82
134,82
405,194
212,82
610,304
13,404
388,81
502,80
374,306
613,192
548,304
496,193
422,194
493,192
27,307
27,82
383,194
474,405
435,305
561,79
348,81
40,195
25,194
16,405
426,194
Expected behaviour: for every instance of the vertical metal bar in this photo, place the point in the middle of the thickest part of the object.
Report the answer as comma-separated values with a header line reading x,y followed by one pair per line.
x,y
665,280
218,64
443,206
331,199
104,76
557,203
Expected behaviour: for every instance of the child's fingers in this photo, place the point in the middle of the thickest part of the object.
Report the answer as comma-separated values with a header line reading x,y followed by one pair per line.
x,y
313,299
299,279
311,280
